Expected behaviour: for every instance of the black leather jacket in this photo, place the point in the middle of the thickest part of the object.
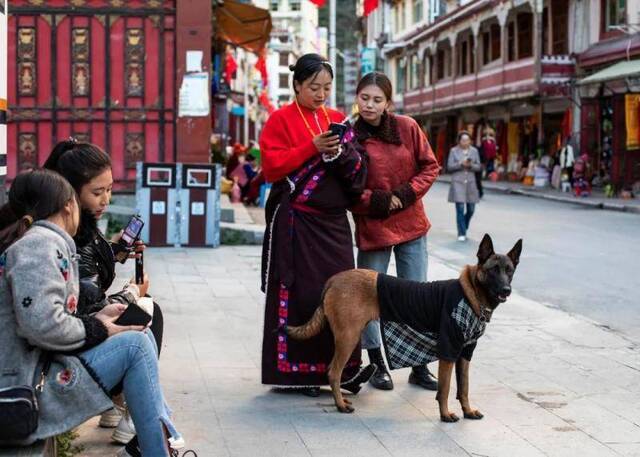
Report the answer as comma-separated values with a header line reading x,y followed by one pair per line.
x,y
97,269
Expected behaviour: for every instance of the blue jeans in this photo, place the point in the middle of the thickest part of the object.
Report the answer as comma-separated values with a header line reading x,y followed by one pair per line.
x,y
131,357
411,262
463,219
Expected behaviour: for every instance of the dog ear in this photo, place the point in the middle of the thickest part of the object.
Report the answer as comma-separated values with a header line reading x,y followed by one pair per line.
x,y
514,253
485,250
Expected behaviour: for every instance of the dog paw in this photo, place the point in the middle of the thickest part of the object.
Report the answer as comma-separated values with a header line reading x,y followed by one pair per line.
x,y
347,401
449,417
347,409
473,414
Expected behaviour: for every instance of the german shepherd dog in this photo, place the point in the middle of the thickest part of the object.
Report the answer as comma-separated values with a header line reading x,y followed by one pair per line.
x,y
350,300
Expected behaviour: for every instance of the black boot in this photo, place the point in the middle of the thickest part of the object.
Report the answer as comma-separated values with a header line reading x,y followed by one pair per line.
x,y
420,376
381,379
354,385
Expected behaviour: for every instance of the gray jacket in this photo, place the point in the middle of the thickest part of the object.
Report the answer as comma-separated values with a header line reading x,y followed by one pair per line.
x,y
38,299
463,182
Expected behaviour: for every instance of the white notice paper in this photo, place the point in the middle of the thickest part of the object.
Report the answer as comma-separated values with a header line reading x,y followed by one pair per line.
x,y
197,208
194,61
194,95
158,207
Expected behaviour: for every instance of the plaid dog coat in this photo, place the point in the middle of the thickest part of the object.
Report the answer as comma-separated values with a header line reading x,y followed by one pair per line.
x,y
423,322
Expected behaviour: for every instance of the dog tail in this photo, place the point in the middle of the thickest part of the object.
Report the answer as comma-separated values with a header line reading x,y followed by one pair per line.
x,y
311,328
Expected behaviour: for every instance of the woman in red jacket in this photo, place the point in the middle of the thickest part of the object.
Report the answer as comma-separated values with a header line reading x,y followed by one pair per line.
x,y
308,238
401,167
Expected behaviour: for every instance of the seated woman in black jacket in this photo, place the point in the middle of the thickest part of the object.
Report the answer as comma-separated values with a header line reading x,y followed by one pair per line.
x,y
88,169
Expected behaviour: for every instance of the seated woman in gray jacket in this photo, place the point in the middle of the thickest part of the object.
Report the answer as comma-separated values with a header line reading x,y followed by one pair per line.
x,y
38,304
463,163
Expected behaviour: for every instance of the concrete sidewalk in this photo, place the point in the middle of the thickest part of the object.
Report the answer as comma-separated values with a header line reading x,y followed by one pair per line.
x,y
597,200
549,383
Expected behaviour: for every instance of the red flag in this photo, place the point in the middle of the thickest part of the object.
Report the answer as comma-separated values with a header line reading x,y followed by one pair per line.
x,y
318,3
369,6
230,67
261,66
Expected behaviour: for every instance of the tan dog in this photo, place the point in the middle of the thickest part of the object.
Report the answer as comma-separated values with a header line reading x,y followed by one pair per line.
x,y
351,299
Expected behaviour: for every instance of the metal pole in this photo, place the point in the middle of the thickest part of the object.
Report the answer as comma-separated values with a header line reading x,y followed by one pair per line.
x,y
332,47
246,99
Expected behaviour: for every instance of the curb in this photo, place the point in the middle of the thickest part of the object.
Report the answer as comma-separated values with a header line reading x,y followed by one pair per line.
x,y
241,234
611,206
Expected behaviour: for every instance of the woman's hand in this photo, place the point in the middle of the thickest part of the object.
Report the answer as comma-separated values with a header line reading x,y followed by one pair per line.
x,y
395,204
109,314
138,247
144,287
327,143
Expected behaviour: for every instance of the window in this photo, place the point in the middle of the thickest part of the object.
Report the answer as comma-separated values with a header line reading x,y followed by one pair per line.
x,y
274,5
463,58
414,82
432,71
545,32
283,98
559,27
401,75
511,41
525,35
284,59
439,64
417,11
491,44
495,42
284,81
426,71
615,13
294,5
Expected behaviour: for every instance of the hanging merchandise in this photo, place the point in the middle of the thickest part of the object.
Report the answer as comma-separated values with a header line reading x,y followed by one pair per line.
x,y
261,66
632,105
266,102
567,123
230,67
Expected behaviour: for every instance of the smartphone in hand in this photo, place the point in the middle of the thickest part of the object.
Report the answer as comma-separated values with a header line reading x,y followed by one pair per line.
x,y
338,129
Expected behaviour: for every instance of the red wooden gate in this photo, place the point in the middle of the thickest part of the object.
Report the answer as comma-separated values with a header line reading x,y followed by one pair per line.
x,y
99,70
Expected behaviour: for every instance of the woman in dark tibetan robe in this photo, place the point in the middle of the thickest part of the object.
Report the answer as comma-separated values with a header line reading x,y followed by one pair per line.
x,y
308,238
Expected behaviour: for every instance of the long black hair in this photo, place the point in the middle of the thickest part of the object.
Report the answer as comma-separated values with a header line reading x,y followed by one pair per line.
x,y
78,162
308,66
34,195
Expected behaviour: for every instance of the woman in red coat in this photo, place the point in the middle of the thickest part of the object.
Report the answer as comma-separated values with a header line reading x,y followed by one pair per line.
x,y
401,167
308,238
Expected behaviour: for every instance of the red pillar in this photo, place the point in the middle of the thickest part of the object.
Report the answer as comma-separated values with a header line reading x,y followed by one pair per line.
x,y
193,31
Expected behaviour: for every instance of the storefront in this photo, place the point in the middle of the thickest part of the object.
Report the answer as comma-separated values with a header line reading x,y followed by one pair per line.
x,y
610,123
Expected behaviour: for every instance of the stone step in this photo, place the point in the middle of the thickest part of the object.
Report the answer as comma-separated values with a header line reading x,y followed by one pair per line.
x,y
45,448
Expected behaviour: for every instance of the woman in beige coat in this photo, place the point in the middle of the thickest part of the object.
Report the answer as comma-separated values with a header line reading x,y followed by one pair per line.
x,y
463,162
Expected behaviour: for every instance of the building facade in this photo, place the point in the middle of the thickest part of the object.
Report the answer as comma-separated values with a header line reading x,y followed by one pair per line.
x,y
108,72
295,32
515,66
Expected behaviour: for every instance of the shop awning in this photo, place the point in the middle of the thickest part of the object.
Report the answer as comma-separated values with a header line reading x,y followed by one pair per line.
x,y
620,70
242,24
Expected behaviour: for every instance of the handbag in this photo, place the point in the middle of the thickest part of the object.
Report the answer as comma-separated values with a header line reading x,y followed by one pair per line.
x,y
19,407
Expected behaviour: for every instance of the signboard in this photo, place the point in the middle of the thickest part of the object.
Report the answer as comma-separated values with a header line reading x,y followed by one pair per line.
x,y
367,60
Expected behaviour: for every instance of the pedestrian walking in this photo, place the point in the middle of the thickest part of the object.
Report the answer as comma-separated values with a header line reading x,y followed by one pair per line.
x,y
308,238
390,215
463,163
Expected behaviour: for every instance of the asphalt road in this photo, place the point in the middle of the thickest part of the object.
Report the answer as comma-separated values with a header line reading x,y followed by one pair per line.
x,y
584,261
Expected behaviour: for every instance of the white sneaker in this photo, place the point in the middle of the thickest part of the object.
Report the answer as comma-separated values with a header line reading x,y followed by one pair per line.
x,y
123,453
125,431
176,443
462,238
110,418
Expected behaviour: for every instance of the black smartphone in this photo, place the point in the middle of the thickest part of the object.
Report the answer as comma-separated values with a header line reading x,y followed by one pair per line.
x,y
130,234
132,231
140,269
133,315
338,129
